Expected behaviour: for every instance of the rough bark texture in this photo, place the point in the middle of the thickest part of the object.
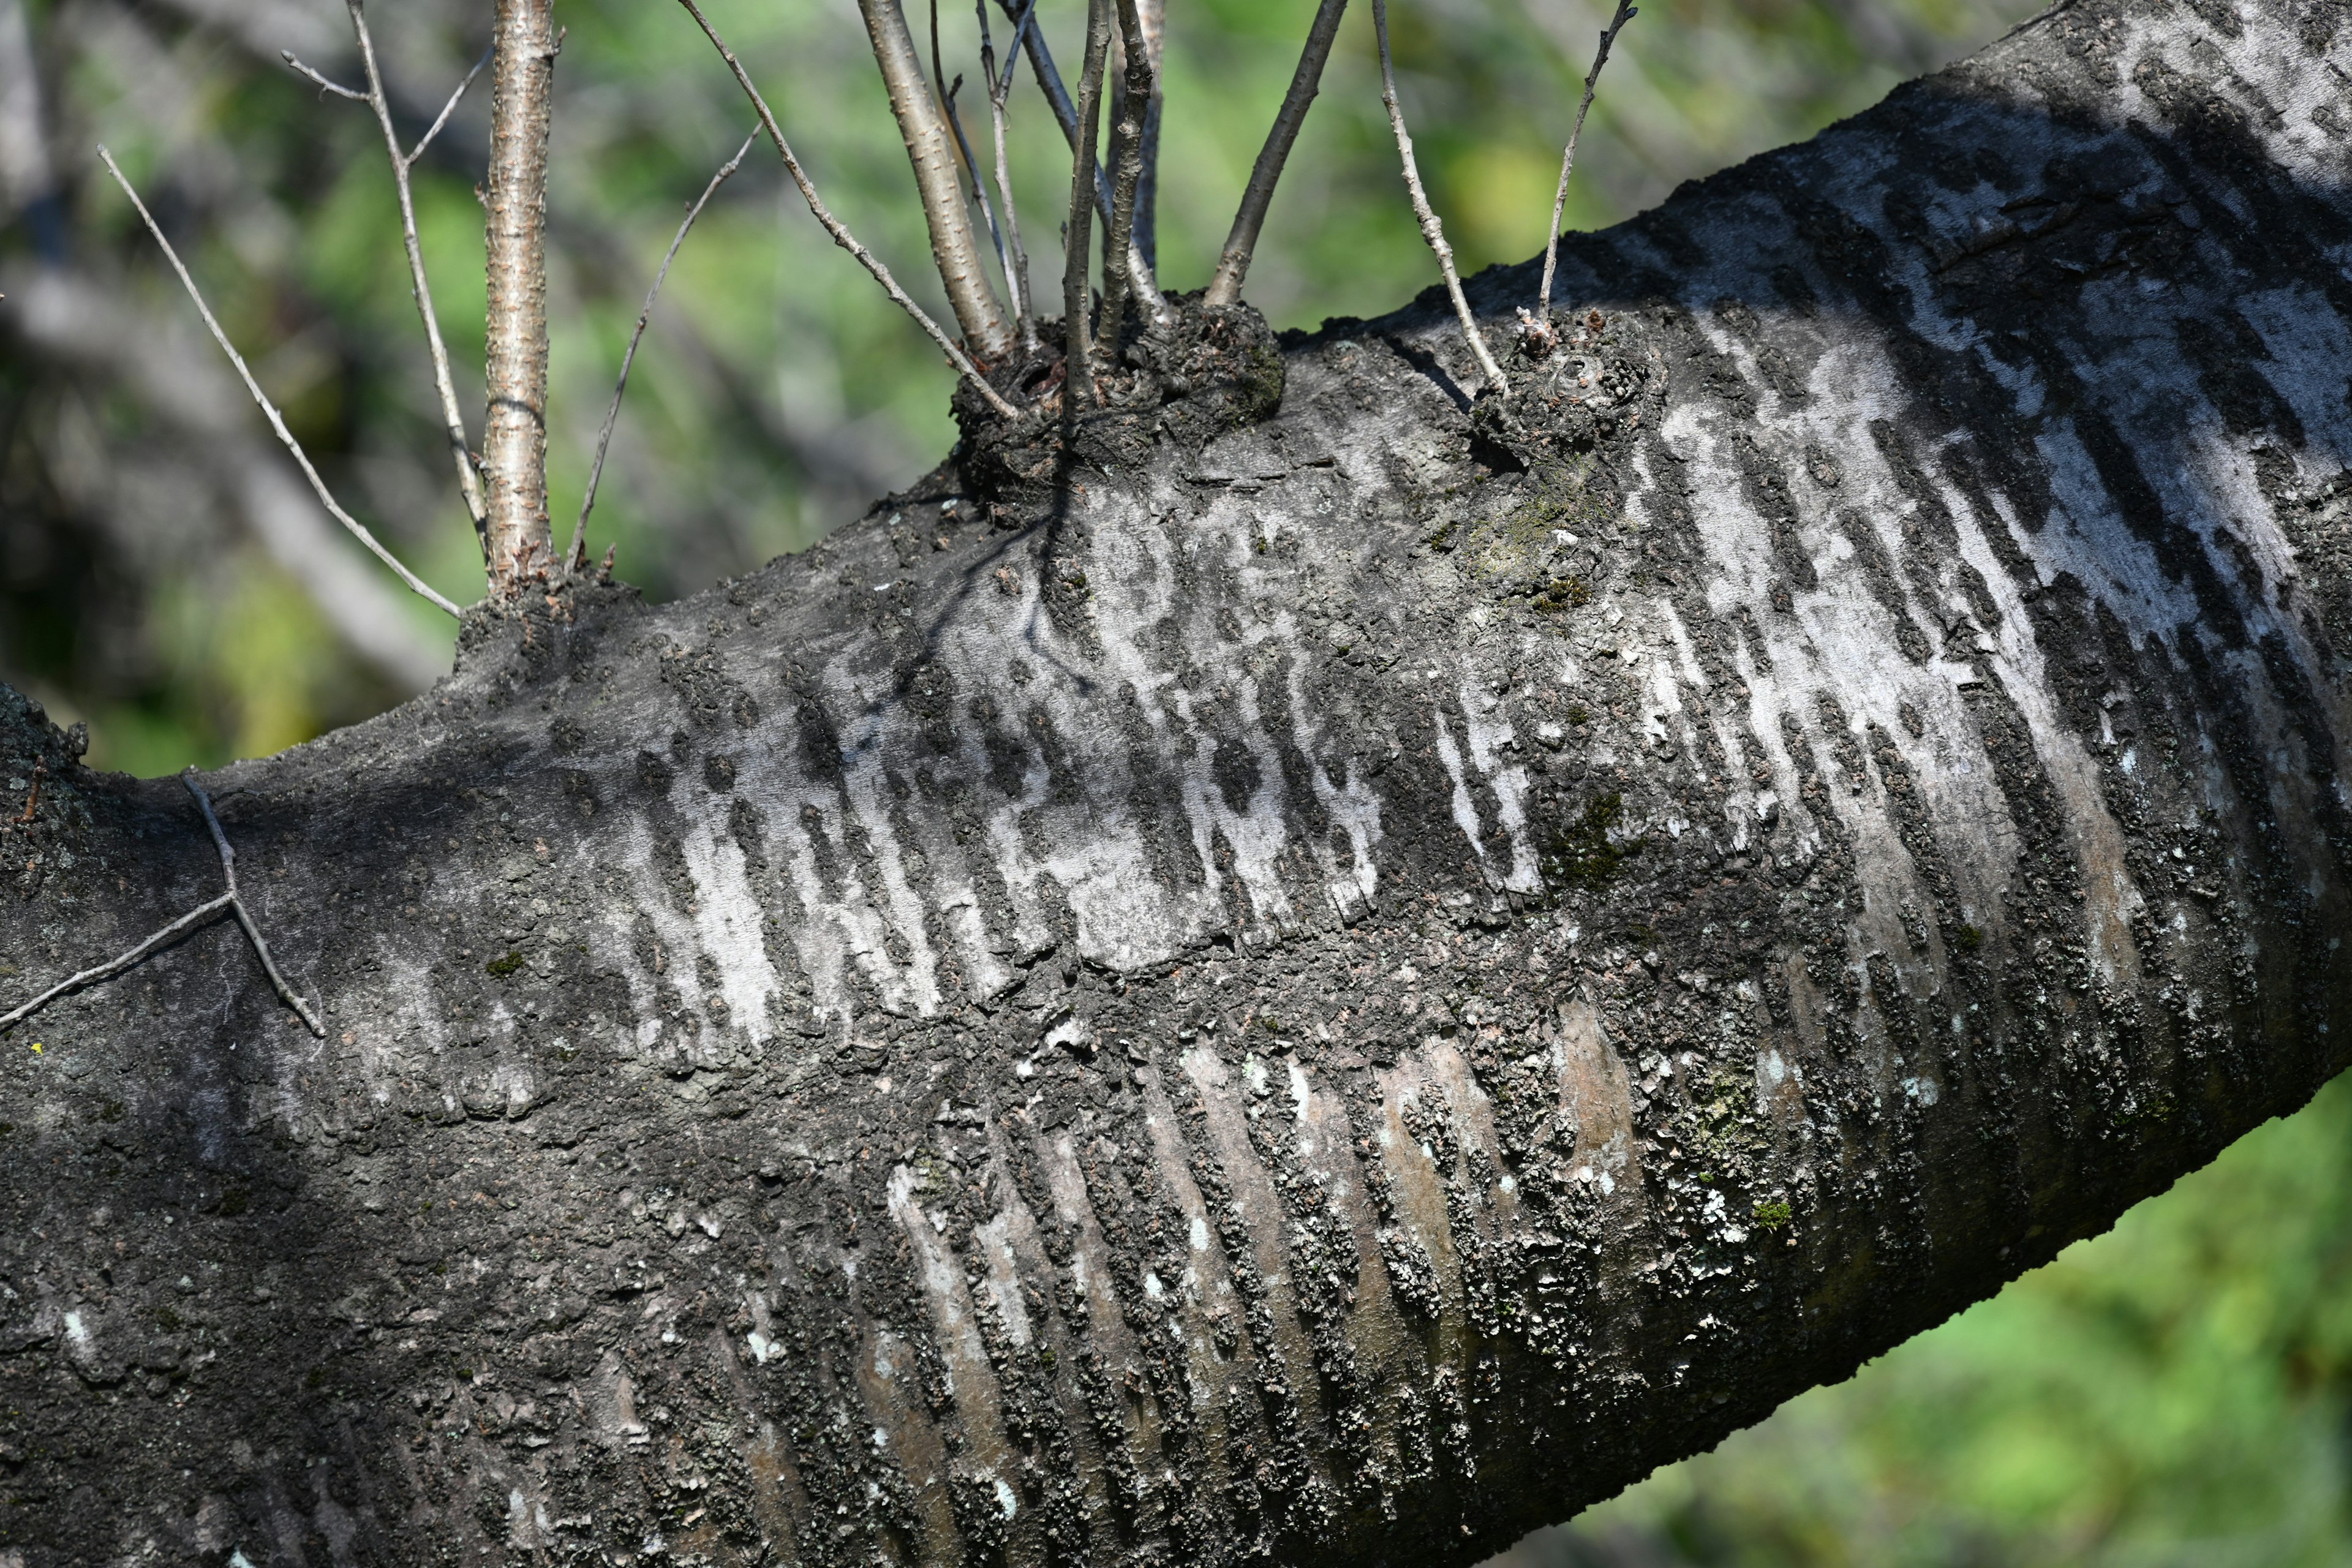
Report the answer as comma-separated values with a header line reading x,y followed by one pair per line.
x,y
1326,996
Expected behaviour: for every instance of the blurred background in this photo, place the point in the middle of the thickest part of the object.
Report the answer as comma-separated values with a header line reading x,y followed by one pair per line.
x,y
2174,1392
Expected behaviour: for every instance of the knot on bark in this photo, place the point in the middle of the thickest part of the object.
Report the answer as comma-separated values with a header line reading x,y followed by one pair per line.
x,y
1209,369
1579,383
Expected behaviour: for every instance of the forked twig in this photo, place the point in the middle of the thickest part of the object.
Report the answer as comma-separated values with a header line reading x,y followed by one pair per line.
x,y
270,409
1077,353
228,902
629,357
1240,244
1542,329
840,233
1431,229
453,419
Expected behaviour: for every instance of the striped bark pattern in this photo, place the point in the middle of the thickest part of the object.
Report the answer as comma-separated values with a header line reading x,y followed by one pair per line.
x,y
1328,996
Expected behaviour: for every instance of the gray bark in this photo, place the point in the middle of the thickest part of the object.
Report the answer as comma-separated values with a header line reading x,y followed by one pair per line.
x,y
1328,994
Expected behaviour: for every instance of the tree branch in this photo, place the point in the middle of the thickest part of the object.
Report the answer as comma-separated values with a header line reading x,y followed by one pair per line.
x,y
1141,280
514,433
974,181
840,231
1016,259
1431,229
270,409
1241,243
929,150
1542,329
573,553
1153,25
1077,376
1126,156
453,418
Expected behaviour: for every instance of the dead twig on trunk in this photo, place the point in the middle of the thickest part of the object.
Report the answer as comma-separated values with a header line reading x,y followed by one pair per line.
x,y
1538,332
229,902
929,149
1127,158
1431,229
514,435
1015,260
1077,353
575,557
1240,244
270,409
453,418
839,231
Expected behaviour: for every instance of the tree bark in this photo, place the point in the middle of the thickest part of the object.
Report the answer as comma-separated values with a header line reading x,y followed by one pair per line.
x,y
1331,995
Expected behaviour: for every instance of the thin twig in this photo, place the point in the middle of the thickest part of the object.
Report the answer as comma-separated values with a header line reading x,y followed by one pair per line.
x,y
1077,355
840,233
1431,229
1127,157
1240,244
229,902
338,89
1065,114
116,965
1625,13
244,917
1015,260
270,409
447,110
613,415
453,418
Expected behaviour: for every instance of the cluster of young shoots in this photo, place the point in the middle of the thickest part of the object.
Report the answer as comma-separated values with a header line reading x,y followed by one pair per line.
x,y
995,346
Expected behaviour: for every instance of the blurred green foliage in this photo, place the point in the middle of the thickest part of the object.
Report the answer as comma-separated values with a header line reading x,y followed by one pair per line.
x,y
2176,1390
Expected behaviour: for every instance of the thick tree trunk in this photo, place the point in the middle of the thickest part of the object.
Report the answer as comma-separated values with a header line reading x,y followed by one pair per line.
x,y
1326,996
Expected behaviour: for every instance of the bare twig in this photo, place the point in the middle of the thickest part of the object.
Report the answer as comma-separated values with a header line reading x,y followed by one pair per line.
x,y
229,902
1015,260
323,85
1127,157
840,232
514,431
448,109
1542,330
453,418
1065,114
574,555
270,409
1077,376
1431,229
929,149
1240,244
